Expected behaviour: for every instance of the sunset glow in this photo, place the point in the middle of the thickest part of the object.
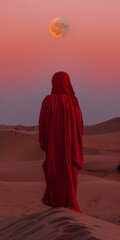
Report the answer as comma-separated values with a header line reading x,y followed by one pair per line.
x,y
90,52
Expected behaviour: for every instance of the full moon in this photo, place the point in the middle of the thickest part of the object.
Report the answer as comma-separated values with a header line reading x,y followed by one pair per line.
x,y
59,27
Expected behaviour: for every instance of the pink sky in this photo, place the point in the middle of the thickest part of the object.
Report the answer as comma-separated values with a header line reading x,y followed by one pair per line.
x,y
29,55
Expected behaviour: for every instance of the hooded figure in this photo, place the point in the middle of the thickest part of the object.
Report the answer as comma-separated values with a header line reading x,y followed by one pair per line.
x,y
61,138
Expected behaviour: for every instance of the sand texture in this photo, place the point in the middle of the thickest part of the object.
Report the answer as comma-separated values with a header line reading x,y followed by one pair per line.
x,y
22,184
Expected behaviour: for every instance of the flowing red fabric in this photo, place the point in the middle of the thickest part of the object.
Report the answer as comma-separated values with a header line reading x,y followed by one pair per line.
x,y
61,137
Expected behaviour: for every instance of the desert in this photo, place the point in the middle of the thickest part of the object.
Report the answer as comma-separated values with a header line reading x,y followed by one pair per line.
x,y
22,185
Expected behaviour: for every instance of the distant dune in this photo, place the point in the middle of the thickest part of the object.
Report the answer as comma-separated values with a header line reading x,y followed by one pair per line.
x,y
19,127
109,126
112,125
19,145
108,141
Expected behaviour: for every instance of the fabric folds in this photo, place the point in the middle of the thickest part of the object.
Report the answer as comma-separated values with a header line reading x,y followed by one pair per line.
x,y
61,137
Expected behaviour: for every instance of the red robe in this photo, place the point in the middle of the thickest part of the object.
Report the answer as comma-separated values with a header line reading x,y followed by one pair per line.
x,y
61,137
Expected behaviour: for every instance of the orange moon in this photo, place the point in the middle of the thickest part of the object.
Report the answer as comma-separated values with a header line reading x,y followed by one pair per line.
x,y
58,27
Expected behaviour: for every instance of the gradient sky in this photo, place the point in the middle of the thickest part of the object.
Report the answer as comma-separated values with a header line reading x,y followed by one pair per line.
x,y
30,55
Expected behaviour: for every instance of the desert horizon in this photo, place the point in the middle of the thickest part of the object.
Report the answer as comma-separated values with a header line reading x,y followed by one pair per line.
x,y
22,181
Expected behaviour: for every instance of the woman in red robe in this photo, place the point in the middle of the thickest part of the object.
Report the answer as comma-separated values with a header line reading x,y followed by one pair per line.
x,y
61,138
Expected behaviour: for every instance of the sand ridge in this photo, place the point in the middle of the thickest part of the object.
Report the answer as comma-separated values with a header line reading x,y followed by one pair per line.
x,y
57,224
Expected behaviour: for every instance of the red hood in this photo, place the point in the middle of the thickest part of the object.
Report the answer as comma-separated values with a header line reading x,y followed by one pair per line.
x,y
61,83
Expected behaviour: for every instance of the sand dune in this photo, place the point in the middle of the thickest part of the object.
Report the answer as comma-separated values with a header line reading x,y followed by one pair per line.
x,y
103,165
109,141
96,165
58,224
22,185
24,146
112,125
18,127
19,146
23,172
